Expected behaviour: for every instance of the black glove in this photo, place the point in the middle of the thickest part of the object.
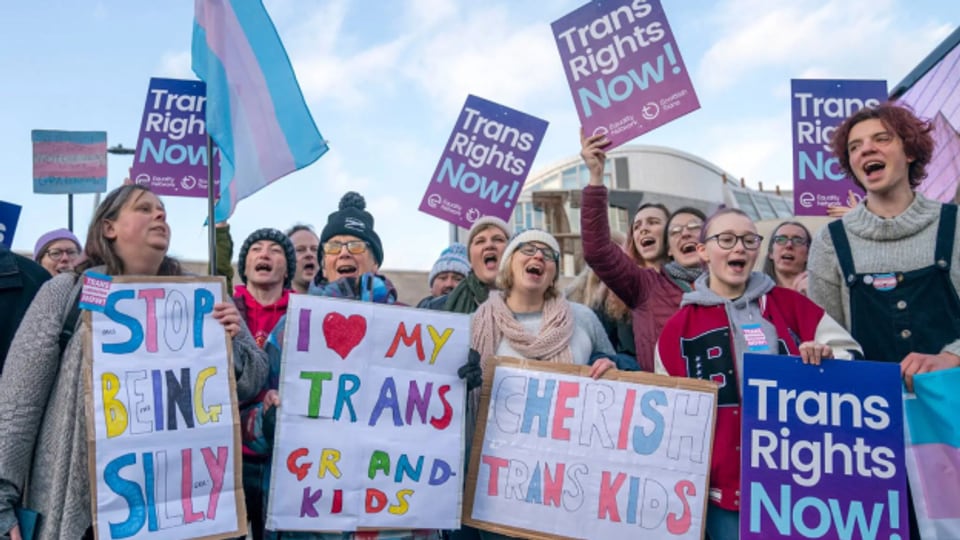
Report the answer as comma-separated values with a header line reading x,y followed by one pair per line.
x,y
471,371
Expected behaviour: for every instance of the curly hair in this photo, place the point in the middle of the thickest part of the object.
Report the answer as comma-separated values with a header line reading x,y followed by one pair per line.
x,y
913,131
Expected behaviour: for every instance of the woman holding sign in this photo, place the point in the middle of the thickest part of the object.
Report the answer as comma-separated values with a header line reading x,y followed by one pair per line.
x,y
42,414
733,311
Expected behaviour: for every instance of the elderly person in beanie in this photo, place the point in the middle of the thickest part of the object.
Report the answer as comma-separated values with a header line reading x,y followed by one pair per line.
x,y
447,272
352,254
266,265
57,251
485,244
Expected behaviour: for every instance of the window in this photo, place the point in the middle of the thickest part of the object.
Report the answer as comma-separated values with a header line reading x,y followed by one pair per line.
x,y
746,204
570,180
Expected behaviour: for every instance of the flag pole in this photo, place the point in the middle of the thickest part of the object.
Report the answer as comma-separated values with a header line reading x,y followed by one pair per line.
x,y
211,224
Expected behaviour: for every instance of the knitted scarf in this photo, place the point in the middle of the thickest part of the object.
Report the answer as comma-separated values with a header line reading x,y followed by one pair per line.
x,y
683,276
494,321
468,294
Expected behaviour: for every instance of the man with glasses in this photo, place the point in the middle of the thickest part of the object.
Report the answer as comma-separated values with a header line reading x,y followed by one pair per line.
x,y
786,260
57,251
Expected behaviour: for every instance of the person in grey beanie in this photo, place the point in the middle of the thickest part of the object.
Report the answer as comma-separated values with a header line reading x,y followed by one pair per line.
x,y
447,272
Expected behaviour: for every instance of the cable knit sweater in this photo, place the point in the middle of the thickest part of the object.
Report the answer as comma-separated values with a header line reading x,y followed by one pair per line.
x,y
879,245
43,417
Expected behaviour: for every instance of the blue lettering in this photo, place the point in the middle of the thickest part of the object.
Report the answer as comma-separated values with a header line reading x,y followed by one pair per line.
x,y
174,154
130,491
820,169
471,182
203,304
136,331
537,406
643,443
631,80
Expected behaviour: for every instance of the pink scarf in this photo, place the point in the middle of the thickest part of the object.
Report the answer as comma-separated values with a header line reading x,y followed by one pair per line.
x,y
494,321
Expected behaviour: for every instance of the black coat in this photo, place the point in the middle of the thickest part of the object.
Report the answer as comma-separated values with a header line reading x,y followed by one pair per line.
x,y
20,279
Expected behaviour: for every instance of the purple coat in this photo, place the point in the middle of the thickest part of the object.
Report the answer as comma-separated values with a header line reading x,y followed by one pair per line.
x,y
650,294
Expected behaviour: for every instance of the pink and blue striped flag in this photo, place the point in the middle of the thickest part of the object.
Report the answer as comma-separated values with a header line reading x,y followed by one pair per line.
x,y
256,113
69,161
933,452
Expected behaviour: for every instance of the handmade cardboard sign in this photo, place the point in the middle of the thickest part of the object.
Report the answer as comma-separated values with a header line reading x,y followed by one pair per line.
x,y
558,454
370,430
163,428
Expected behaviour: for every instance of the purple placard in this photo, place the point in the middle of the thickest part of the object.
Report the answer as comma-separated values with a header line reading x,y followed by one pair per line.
x,y
819,106
843,475
171,154
485,163
624,68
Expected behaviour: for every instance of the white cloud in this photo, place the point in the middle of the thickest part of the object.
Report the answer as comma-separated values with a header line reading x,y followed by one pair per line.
x,y
175,65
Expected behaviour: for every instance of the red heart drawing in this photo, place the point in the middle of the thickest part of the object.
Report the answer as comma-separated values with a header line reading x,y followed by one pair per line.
x,y
343,334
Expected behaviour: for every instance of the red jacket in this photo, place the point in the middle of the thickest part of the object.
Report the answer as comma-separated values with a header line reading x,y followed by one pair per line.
x,y
260,319
650,294
697,343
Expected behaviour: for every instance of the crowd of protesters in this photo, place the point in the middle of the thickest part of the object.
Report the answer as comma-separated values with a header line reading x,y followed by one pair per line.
x,y
648,301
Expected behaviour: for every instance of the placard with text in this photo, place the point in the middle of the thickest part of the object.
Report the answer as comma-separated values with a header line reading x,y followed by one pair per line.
x,y
624,68
171,155
823,452
818,108
484,164
370,434
558,454
163,430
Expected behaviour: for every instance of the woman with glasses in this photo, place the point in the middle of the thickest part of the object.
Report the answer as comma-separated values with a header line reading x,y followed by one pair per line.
x,y
733,311
787,253
57,251
652,294
529,318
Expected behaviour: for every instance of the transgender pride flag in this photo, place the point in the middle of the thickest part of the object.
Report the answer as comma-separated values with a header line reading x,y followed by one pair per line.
x,y
69,161
933,452
256,113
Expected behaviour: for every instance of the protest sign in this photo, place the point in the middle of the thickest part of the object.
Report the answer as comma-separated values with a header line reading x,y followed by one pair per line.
x,y
818,108
370,434
823,453
69,161
171,156
163,428
484,164
9,216
933,452
563,455
624,68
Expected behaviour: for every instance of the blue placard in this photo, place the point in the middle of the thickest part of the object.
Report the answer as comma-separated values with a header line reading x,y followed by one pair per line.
x,y
822,450
9,216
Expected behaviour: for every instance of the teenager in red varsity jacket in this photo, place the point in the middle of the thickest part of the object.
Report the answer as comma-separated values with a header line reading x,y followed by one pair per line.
x,y
732,311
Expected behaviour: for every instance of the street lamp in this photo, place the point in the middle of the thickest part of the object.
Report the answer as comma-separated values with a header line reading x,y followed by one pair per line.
x,y
116,150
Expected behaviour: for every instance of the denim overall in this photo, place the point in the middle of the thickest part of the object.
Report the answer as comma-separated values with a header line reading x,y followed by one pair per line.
x,y
896,313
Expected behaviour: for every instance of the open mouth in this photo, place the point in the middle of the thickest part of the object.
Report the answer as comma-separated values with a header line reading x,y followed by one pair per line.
x,y
647,242
534,270
688,248
787,257
346,269
737,265
873,166
309,267
263,267
490,260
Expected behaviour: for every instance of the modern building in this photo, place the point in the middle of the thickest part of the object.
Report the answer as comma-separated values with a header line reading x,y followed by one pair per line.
x,y
634,174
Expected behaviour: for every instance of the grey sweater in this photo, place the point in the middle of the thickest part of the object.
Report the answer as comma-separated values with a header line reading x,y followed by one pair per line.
x,y
879,245
42,416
